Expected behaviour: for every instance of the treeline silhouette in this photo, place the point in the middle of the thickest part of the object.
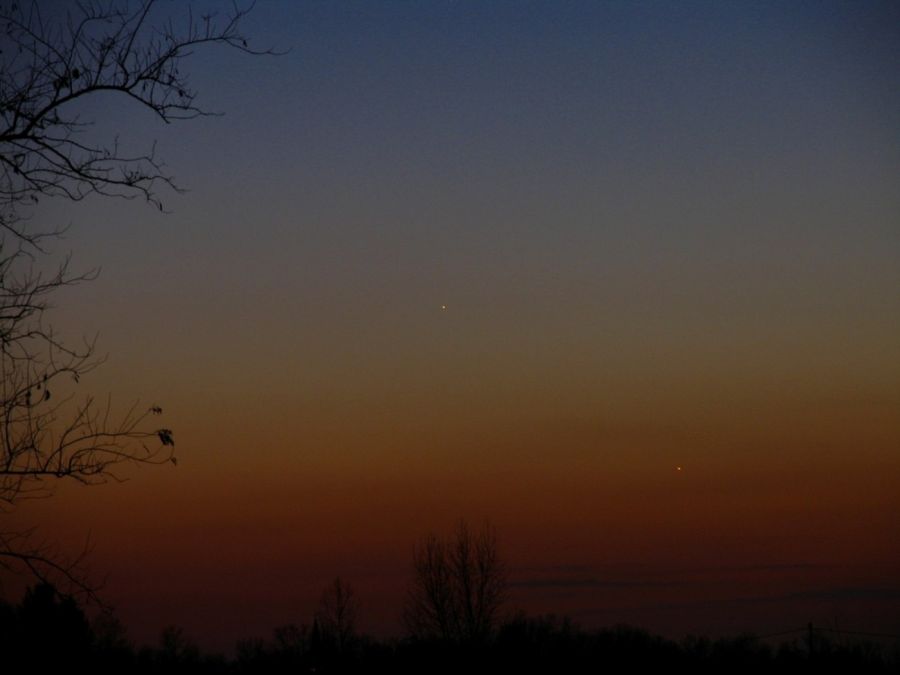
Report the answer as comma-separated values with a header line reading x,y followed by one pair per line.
x,y
47,630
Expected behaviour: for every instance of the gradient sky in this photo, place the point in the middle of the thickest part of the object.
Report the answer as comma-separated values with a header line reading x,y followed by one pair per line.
x,y
666,234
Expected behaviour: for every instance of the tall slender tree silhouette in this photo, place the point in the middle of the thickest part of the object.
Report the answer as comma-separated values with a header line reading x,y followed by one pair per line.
x,y
337,613
458,587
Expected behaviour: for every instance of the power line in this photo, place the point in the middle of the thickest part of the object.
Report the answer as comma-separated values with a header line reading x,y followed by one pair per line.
x,y
784,632
856,632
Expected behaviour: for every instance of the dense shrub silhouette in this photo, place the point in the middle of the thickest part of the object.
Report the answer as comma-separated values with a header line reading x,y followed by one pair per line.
x,y
46,630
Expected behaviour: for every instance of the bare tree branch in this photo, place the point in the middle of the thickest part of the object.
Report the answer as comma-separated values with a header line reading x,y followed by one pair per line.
x,y
48,67
459,584
50,63
336,615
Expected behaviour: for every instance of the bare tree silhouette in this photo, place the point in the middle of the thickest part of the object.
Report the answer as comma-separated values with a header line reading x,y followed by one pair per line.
x,y
337,614
459,584
54,57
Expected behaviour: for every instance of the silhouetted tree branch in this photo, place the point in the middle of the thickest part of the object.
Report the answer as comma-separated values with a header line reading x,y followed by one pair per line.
x,y
52,59
336,616
459,584
51,63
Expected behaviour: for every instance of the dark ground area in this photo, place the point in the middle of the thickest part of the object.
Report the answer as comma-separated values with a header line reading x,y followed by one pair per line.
x,y
46,630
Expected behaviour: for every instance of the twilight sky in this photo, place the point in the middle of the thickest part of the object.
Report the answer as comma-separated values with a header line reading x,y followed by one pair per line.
x,y
664,234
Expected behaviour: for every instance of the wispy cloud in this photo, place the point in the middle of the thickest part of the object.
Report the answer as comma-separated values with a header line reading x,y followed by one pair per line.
x,y
848,593
868,593
538,582
766,567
